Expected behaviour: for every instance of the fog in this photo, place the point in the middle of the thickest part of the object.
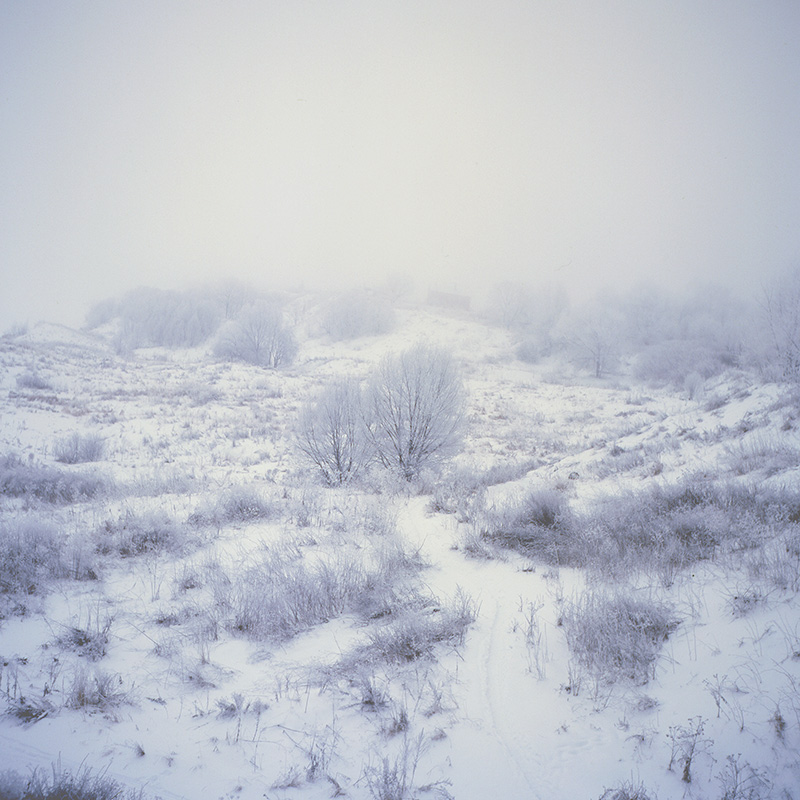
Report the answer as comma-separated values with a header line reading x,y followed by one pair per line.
x,y
457,143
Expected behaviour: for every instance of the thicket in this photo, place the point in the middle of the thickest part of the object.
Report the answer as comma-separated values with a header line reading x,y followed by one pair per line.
x,y
661,337
246,325
159,318
662,530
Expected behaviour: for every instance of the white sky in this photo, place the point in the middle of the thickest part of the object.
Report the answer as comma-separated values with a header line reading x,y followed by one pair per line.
x,y
166,143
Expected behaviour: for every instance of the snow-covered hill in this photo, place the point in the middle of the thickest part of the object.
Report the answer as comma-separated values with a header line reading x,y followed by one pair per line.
x,y
219,624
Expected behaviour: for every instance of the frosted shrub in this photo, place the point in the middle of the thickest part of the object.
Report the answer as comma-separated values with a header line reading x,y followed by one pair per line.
x,y
394,778
540,524
617,637
257,336
626,791
136,534
277,594
414,409
237,504
64,785
34,481
96,689
279,591
414,634
79,449
332,436
32,380
32,555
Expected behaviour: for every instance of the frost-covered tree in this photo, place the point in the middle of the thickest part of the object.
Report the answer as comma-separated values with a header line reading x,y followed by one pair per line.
x,y
594,336
258,336
781,310
331,434
414,409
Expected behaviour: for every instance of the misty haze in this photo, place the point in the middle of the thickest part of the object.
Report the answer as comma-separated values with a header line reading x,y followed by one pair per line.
x,y
400,401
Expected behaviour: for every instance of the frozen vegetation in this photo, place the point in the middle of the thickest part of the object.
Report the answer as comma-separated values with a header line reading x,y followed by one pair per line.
x,y
302,547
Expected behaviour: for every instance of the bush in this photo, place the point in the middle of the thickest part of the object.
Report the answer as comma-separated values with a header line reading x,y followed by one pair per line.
x,y
277,594
616,637
31,555
257,336
89,641
415,635
394,778
137,534
541,525
79,449
663,530
96,690
47,484
626,791
63,785
237,504
461,491
32,380
772,454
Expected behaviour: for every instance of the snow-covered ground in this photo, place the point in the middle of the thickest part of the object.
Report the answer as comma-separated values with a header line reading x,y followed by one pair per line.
x,y
180,699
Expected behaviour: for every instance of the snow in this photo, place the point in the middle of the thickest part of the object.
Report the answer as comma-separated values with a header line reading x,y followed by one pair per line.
x,y
496,716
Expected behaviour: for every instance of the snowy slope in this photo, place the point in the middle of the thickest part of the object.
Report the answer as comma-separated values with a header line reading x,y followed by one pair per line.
x,y
192,707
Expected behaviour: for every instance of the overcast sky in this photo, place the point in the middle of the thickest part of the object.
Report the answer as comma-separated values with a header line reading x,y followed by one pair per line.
x,y
166,143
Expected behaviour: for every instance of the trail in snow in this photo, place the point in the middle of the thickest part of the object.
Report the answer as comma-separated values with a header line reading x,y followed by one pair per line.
x,y
494,743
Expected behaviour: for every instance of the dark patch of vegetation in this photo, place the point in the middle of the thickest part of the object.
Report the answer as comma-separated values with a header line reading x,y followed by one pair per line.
x,y
33,380
137,534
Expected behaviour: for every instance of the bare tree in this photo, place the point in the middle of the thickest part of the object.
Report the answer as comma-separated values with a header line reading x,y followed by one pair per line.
x,y
415,409
258,335
331,433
